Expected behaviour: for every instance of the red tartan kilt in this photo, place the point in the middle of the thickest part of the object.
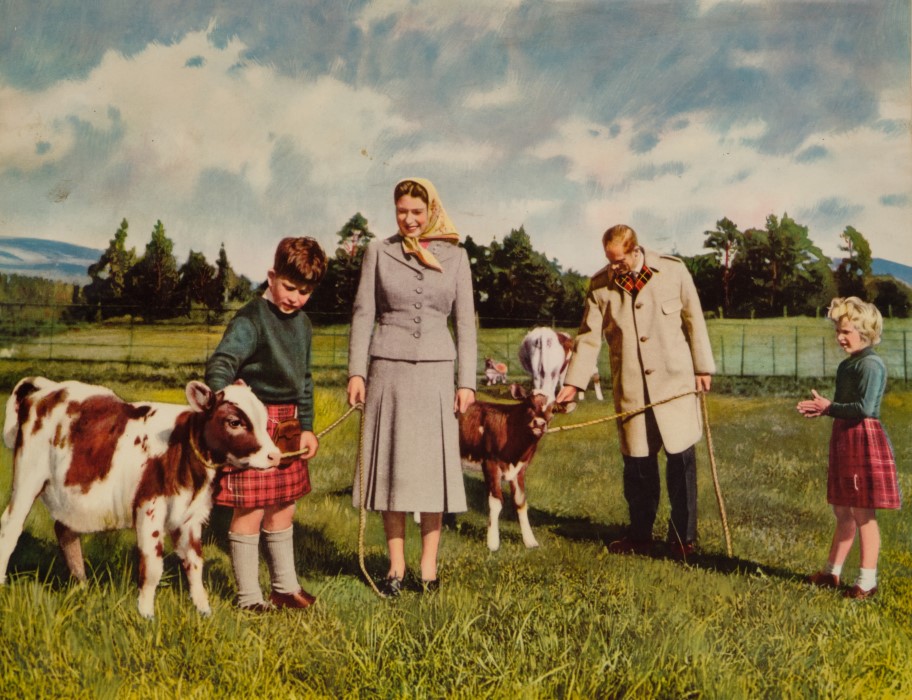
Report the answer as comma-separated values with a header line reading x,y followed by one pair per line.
x,y
862,470
255,488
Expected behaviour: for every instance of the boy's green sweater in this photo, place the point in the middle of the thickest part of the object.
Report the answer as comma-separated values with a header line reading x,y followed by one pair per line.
x,y
270,351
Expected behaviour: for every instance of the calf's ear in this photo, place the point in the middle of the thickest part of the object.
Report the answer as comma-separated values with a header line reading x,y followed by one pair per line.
x,y
199,396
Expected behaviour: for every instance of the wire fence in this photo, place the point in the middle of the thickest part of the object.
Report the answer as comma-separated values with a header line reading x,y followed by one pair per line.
x,y
794,347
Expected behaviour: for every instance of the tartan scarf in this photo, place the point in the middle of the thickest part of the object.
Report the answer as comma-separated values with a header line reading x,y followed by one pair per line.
x,y
633,282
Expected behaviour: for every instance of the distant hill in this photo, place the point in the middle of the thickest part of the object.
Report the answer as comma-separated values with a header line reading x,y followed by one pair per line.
x,y
54,260
903,273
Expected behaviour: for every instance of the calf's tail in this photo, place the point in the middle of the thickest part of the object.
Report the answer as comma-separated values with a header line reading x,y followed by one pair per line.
x,y
22,390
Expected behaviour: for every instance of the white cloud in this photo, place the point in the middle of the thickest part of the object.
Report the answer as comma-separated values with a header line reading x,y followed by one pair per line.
x,y
718,175
503,95
437,15
178,121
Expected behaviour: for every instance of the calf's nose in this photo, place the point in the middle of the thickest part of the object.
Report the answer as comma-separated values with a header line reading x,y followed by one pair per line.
x,y
273,458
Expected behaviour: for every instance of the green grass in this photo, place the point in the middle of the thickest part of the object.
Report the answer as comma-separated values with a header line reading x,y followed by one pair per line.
x,y
565,620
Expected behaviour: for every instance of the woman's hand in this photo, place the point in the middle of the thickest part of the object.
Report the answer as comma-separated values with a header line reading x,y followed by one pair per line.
x,y
813,408
356,390
464,399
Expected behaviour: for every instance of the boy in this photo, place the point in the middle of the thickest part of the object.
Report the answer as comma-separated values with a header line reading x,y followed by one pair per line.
x,y
267,345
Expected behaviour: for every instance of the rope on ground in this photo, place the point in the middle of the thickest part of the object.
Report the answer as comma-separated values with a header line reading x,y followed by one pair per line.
x,y
362,511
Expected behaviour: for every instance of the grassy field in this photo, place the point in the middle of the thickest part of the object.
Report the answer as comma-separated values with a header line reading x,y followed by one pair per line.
x,y
566,620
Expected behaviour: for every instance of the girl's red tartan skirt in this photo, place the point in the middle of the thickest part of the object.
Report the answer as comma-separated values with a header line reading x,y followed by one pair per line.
x,y
862,472
255,488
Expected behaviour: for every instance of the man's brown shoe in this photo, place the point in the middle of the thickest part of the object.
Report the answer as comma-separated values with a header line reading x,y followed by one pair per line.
x,y
822,579
300,599
858,593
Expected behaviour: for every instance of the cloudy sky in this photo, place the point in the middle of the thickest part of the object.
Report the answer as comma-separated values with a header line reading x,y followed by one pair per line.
x,y
238,123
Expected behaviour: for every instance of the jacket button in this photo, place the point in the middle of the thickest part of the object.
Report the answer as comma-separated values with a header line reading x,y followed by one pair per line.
x,y
420,276
643,338
417,304
417,334
638,305
418,290
648,371
417,319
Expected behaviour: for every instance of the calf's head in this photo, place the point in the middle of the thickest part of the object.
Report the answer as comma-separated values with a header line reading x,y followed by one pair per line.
x,y
234,430
539,408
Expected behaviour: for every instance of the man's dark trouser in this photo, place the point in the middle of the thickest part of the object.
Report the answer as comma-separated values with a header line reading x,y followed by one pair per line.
x,y
642,489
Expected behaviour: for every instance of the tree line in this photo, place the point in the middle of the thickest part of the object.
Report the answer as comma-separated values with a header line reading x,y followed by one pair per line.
x,y
153,286
778,271
773,271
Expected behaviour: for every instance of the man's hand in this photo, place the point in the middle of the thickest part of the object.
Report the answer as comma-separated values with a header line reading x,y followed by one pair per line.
x,y
567,393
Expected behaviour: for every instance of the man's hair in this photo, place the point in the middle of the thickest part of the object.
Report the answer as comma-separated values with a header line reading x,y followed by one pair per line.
x,y
300,260
623,233
412,189
864,316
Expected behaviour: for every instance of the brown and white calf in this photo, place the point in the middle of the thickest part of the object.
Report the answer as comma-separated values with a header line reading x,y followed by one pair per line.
x,y
99,463
503,438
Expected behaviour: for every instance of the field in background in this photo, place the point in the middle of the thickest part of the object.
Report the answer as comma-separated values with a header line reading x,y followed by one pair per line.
x,y
794,347
565,620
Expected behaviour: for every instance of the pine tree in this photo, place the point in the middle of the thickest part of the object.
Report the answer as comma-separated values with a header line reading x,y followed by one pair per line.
x,y
107,293
153,280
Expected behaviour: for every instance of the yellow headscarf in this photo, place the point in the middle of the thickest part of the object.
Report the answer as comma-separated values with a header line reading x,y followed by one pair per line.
x,y
439,227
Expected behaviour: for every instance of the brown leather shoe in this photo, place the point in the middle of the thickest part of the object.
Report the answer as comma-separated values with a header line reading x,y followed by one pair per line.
x,y
858,593
823,580
681,550
628,545
300,599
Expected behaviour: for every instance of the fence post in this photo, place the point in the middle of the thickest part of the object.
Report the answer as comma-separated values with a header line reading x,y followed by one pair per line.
x,y
51,334
823,355
722,339
905,358
773,339
796,352
742,350
130,344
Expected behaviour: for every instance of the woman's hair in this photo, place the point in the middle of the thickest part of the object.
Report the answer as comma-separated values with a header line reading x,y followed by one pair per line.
x,y
620,233
300,260
412,189
861,314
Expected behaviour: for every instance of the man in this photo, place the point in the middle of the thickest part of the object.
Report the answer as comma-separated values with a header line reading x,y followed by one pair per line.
x,y
647,308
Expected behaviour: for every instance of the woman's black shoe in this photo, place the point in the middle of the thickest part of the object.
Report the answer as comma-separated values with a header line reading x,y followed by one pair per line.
x,y
390,587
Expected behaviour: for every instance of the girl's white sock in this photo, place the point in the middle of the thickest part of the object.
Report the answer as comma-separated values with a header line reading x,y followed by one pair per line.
x,y
835,569
867,579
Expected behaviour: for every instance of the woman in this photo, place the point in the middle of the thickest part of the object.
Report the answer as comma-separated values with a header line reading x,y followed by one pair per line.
x,y
403,371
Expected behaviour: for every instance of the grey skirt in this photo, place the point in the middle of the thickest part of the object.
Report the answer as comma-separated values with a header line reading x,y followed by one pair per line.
x,y
411,439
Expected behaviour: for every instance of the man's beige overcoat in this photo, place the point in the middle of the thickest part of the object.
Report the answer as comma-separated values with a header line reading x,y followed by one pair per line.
x,y
657,342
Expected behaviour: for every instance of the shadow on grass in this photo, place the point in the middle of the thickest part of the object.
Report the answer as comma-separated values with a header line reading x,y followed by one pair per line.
x,y
578,529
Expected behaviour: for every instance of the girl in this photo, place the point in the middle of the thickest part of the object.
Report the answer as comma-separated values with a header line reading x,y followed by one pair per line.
x,y
411,283
862,470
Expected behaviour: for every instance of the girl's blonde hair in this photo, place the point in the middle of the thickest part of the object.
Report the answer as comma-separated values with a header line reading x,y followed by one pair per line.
x,y
864,316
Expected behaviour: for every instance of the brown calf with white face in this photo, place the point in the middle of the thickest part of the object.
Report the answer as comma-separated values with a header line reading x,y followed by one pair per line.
x,y
99,463
503,438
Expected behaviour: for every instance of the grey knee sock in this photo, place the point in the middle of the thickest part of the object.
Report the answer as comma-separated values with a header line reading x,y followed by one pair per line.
x,y
245,559
280,558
